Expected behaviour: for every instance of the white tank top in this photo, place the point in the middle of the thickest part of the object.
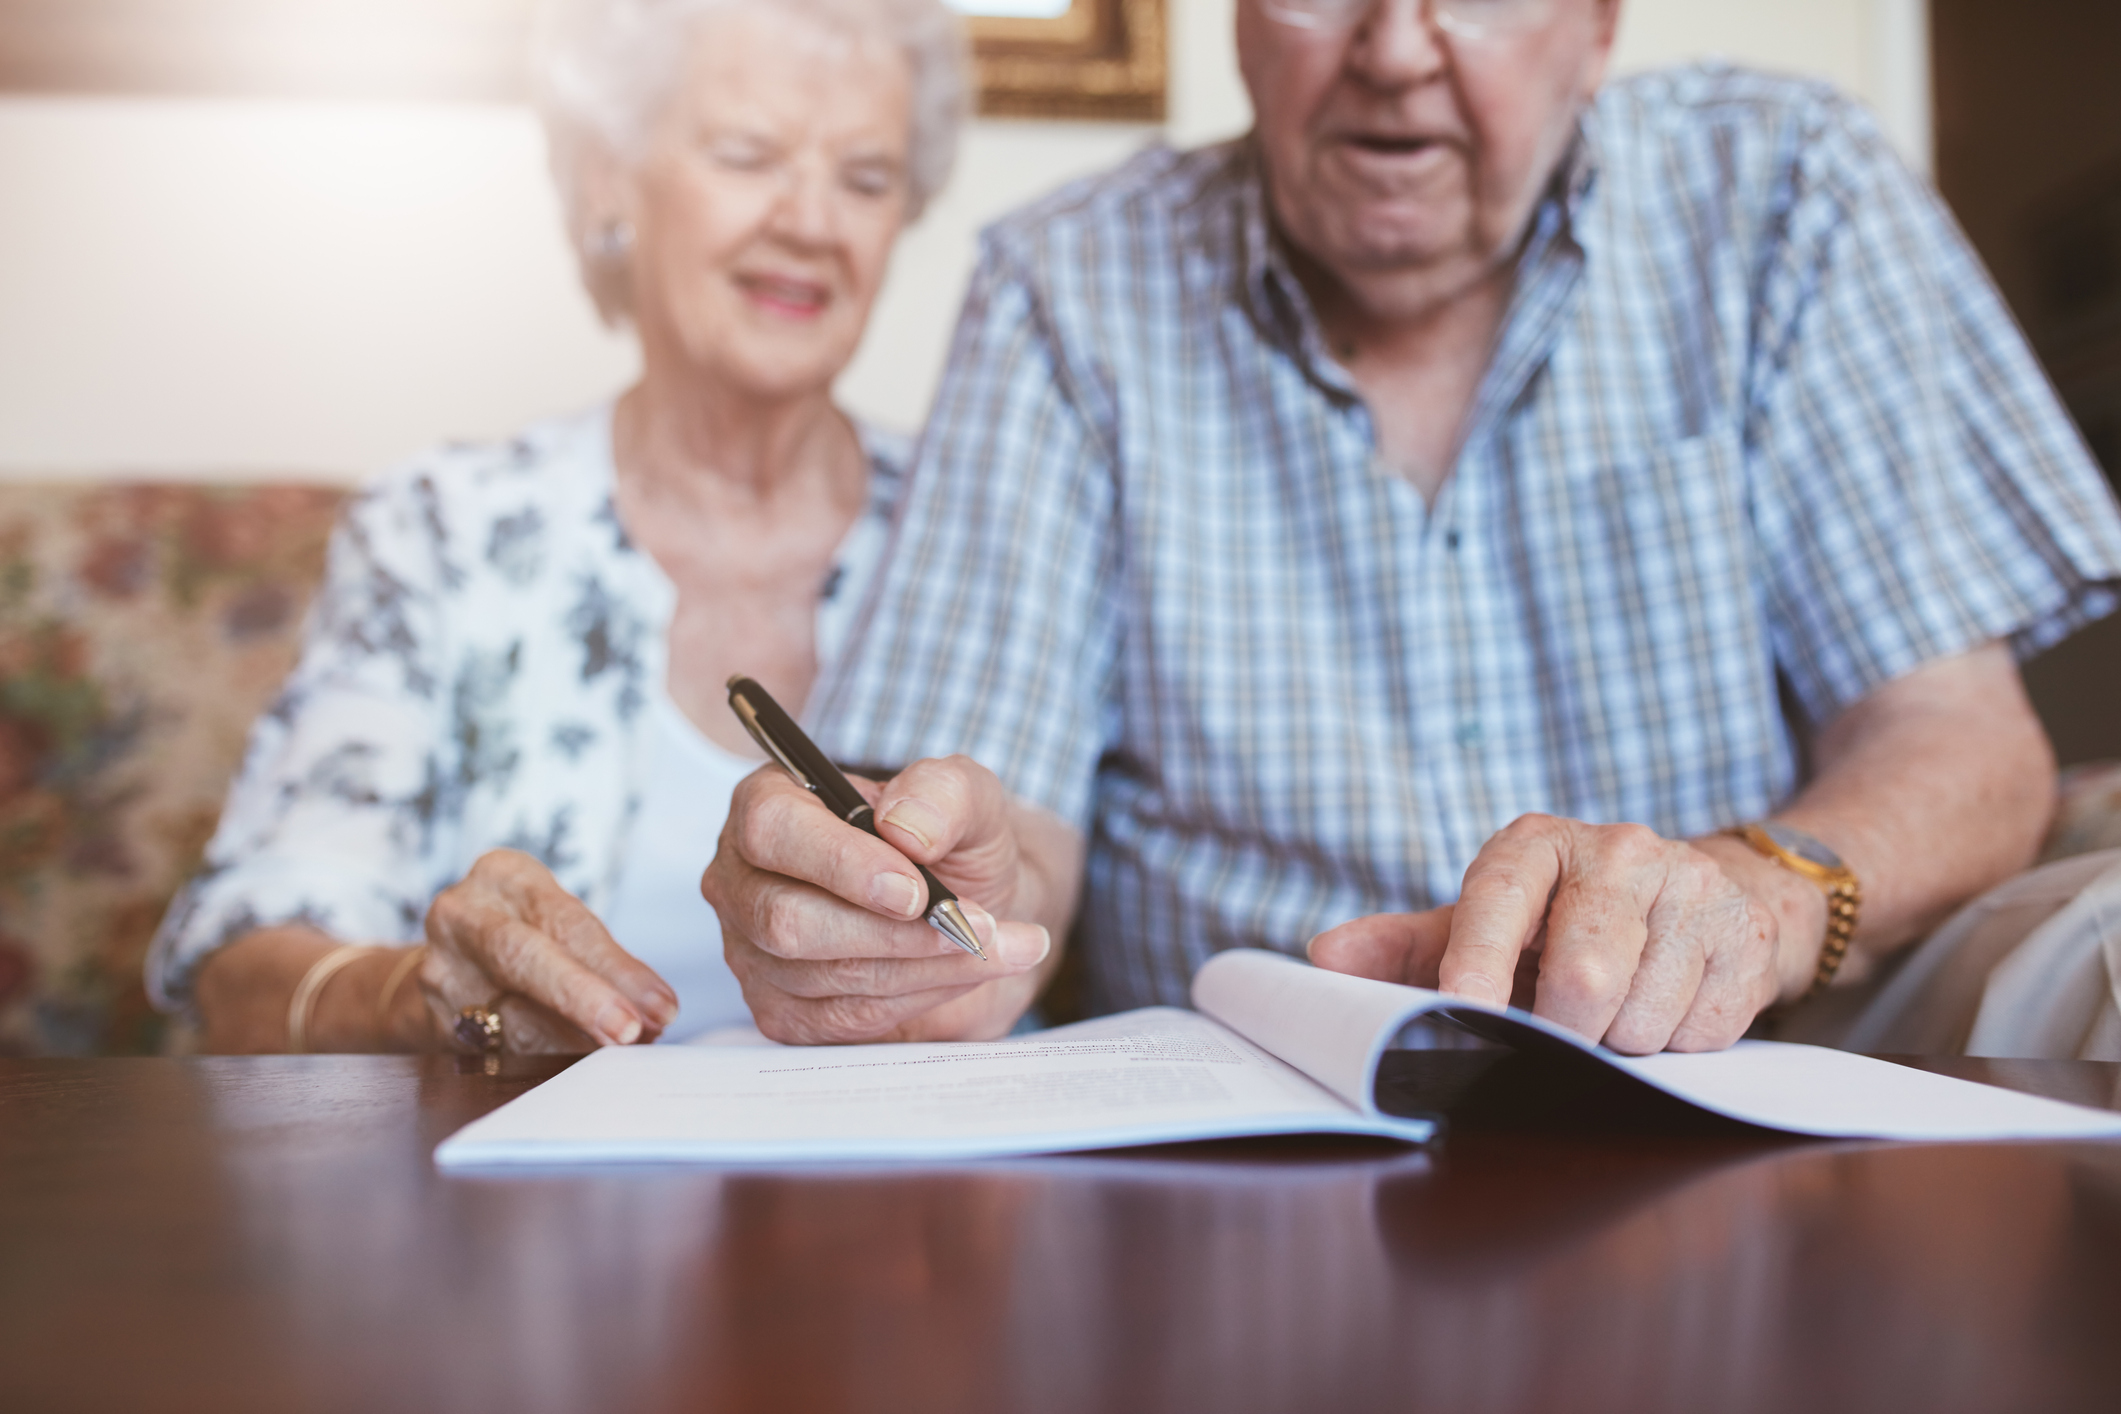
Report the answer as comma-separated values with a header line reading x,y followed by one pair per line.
x,y
656,913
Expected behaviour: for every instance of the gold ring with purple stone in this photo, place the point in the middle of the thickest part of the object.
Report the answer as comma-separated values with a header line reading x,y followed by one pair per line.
x,y
478,1028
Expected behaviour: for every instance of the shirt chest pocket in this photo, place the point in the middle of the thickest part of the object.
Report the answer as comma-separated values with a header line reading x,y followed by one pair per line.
x,y
1649,531
1647,622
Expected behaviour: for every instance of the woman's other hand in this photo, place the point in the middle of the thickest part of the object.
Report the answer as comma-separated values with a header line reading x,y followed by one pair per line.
x,y
508,936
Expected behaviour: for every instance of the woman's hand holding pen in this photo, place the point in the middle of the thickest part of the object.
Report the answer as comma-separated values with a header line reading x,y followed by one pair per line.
x,y
822,922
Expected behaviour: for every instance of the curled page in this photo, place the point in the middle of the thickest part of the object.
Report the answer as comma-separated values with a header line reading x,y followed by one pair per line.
x,y
1337,1030
1330,1026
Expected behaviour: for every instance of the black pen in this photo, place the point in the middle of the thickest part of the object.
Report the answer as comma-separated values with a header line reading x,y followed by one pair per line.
x,y
779,737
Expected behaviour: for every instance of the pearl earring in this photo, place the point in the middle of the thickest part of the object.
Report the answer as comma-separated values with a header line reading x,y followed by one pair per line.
x,y
612,242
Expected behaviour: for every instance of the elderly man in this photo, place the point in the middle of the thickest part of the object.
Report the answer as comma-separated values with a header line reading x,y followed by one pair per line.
x,y
1437,519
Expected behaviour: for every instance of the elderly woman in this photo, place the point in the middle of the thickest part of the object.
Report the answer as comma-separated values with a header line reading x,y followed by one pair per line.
x,y
507,727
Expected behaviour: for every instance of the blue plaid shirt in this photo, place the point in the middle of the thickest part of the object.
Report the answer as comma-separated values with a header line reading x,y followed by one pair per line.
x,y
1757,420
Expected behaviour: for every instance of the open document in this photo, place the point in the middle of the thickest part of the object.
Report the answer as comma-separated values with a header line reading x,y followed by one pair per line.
x,y
1274,1047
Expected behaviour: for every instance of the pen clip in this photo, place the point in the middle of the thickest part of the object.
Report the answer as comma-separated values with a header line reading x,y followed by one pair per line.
x,y
749,716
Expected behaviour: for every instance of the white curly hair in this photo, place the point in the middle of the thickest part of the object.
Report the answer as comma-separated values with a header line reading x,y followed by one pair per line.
x,y
602,71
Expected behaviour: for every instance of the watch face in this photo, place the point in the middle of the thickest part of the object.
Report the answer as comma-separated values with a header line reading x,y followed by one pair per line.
x,y
1802,845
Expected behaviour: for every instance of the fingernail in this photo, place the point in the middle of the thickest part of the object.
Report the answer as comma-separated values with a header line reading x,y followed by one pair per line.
x,y
918,819
1022,948
984,926
1310,956
896,895
619,1023
664,1009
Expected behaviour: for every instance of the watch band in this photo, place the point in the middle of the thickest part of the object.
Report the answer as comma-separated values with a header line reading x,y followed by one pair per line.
x,y
1808,858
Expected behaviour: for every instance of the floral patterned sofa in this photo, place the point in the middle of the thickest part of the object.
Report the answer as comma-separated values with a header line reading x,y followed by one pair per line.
x,y
142,627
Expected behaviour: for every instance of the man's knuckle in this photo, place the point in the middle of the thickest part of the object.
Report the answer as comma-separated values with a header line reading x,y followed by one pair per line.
x,y
769,822
757,824
1581,977
964,774
1526,828
1631,1037
1633,845
927,774
849,1018
716,886
848,854
849,976
1709,1029
780,921
780,1020
1704,878
1498,883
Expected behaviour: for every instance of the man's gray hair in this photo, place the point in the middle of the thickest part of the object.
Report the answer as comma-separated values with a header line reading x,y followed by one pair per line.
x,y
602,71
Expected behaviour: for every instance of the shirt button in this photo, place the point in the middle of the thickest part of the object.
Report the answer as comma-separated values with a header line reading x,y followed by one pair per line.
x,y
1451,540
1469,733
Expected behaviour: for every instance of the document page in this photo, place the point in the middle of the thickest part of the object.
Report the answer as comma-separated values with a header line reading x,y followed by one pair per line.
x,y
1331,1026
1153,1076
1834,1094
1335,1028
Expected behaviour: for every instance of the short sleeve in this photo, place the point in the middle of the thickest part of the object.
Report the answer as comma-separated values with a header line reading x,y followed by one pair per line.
x,y
1918,488
341,815
992,629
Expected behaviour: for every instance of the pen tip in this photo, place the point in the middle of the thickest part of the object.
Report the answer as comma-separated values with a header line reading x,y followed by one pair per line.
x,y
949,920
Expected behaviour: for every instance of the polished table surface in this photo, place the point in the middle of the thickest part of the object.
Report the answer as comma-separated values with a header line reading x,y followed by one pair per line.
x,y
271,1234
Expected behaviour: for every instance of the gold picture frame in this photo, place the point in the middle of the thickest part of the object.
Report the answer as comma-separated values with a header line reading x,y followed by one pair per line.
x,y
1098,59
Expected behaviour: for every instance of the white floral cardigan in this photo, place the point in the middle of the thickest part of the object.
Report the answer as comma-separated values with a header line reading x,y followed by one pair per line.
x,y
472,677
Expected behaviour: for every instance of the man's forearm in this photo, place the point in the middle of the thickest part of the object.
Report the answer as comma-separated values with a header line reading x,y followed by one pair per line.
x,y
1933,789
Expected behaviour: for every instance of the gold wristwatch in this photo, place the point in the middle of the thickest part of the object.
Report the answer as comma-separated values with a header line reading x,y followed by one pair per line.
x,y
1799,853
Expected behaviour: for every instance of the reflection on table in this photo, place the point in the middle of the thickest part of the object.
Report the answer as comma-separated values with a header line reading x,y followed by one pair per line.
x,y
271,1234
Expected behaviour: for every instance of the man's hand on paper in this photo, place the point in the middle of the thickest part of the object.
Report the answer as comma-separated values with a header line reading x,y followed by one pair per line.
x,y
1643,943
823,923
508,928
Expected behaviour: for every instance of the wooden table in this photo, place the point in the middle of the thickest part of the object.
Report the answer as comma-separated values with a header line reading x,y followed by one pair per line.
x,y
270,1234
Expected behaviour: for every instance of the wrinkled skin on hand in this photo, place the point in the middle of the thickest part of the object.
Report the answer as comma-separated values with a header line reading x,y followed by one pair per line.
x,y
1622,936
823,923
508,930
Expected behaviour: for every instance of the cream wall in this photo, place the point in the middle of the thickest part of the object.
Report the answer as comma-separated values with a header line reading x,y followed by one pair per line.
x,y
275,288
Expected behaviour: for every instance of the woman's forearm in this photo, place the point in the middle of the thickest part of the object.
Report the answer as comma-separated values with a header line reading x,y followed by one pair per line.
x,y
243,992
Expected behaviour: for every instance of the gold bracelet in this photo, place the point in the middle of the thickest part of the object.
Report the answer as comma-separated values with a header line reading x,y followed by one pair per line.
x,y
1844,903
398,974
308,989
